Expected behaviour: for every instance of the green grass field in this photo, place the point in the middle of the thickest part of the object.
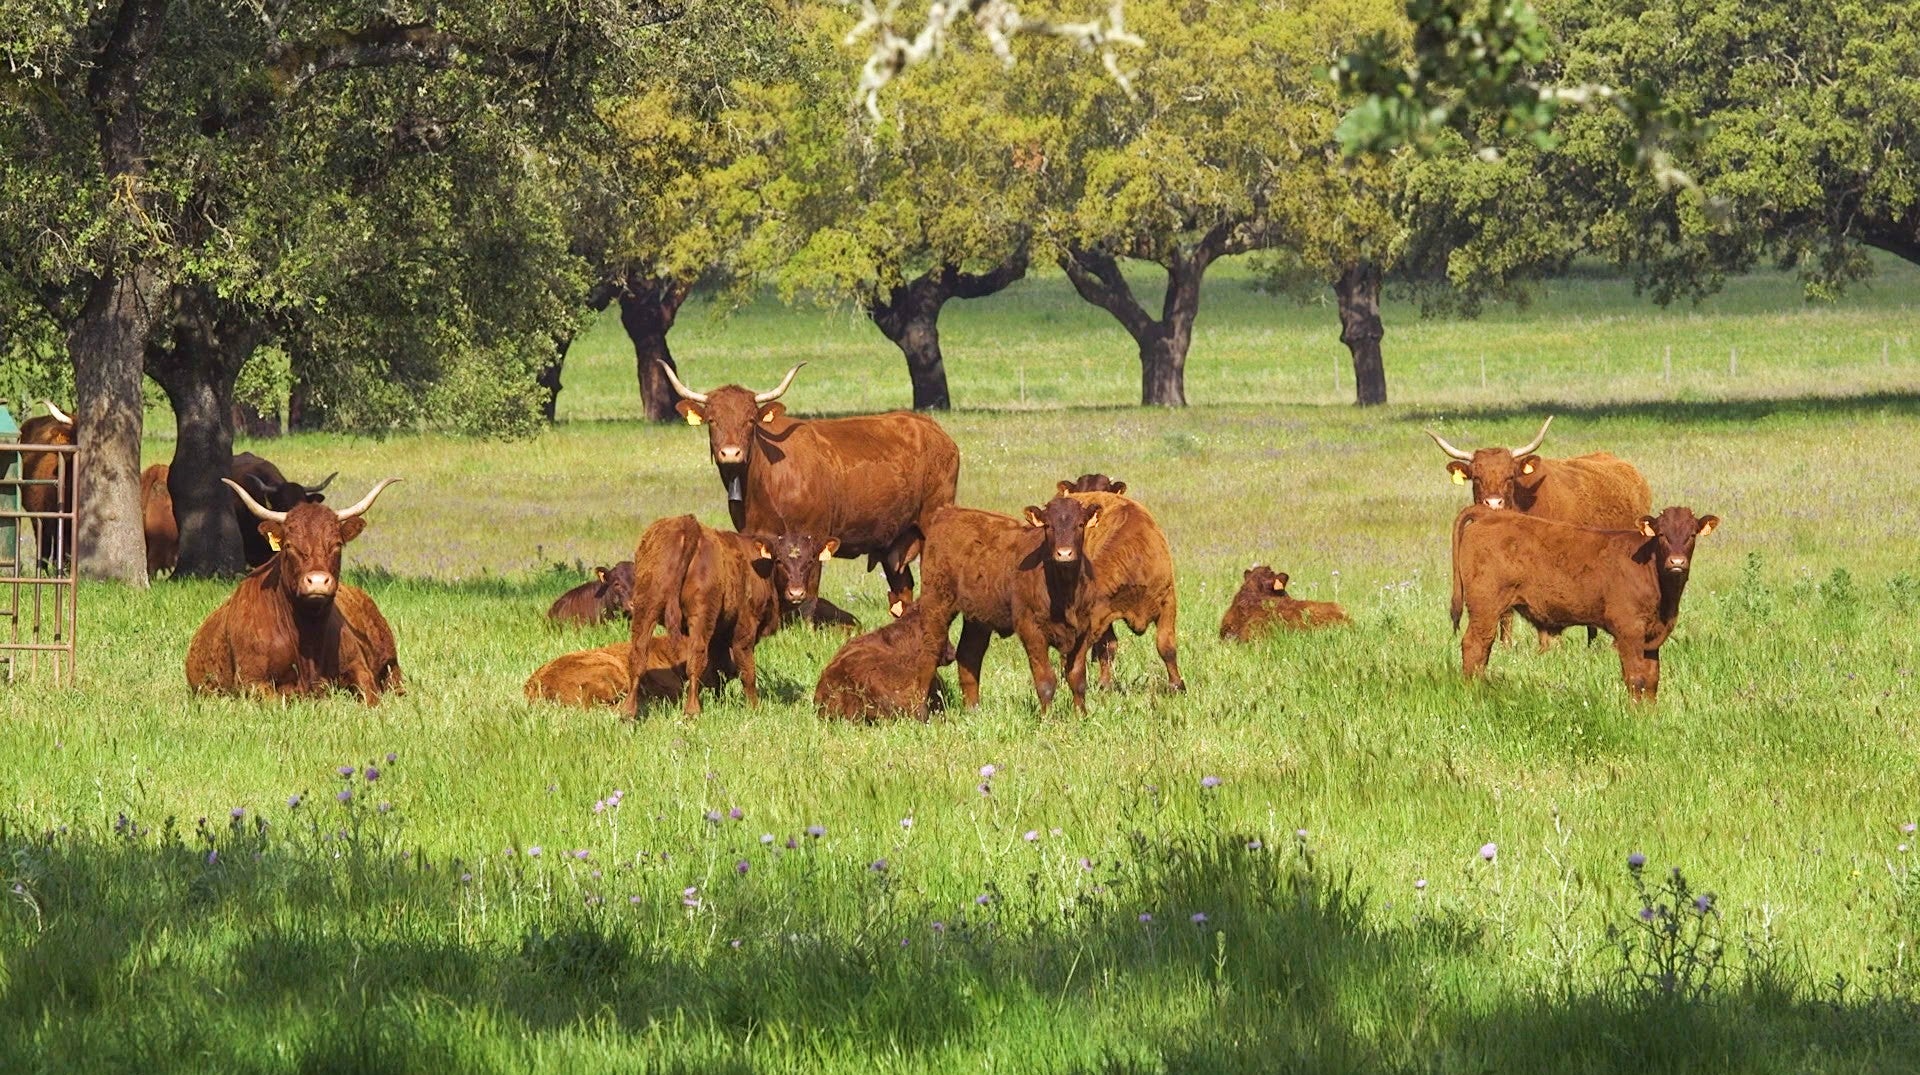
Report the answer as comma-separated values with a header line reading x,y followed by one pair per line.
x,y
1091,905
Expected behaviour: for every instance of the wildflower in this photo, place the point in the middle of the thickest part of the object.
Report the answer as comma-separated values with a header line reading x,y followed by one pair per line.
x,y
1488,850
742,867
1031,836
213,855
581,854
371,774
1300,834
735,943
385,806
595,875
1086,863
392,757
1145,917
1420,885
1199,918
635,900
792,843
1703,903
1646,914
816,831
466,879
345,771
983,899
1255,844
1210,781
903,942
736,813
1636,860
986,789
237,812
600,806
906,822
939,927
614,799
1908,827
879,866
533,852
766,837
987,771
346,795
551,788
690,896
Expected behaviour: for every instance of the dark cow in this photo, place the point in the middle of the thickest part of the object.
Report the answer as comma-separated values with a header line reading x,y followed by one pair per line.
x,y
156,517
291,627
871,481
603,599
1005,576
48,484
1263,605
713,591
873,675
1625,582
1093,483
603,676
264,482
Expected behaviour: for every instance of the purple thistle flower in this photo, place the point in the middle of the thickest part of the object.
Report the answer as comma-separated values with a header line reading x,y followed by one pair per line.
x,y
1420,885
1636,860
615,798
1031,835
1703,903
213,856
1199,918
635,900
987,771
371,774
392,757
1210,781
1488,851
983,899
766,837
879,866
237,812
690,896
1646,914
1145,917
736,813
533,852
1299,834
792,843
742,867
939,927
735,943
385,806
1086,863
1255,844
906,822
581,854
345,771
816,831
600,806
1908,827
713,817
346,795
466,879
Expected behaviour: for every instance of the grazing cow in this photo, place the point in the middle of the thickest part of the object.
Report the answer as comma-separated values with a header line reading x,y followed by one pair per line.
x,y
713,591
291,627
603,599
603,676
1263,605
1093,483
264,482
1625,582
1010,576
49,488
156,514
872,481
873,675
1133,579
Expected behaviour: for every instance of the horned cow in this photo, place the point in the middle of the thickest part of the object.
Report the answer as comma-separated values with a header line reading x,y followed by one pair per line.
x,y
48,484
1263,605
1625,582
264,483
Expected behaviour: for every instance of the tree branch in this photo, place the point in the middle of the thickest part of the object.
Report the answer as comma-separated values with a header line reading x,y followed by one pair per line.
x,y
393,45
1096,276
968,285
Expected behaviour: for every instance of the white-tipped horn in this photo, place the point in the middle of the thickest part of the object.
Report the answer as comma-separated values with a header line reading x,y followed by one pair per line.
x,y
365,501
679,386
324,482
57,412
1464,457
1537,438
769,397
254,505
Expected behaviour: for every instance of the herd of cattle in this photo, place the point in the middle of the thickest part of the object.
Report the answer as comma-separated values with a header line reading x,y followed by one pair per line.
x,y
1563,542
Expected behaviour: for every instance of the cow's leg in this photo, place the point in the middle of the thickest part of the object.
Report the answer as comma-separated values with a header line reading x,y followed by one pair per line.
x,y
743,660
700,629
902,552
1103,651
967,657
1548,636
1164,641
1076,663
636,667
1045,683
1639,668
1476,643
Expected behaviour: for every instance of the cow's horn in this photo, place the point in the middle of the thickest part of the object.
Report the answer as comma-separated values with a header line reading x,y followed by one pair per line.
x,y
769,397
1537,438
678,386
254,505
365,501
1464,457
57,412
324,482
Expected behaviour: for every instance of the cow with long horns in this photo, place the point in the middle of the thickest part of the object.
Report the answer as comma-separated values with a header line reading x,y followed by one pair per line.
x,y
1597,489
292,627
266,485
872,482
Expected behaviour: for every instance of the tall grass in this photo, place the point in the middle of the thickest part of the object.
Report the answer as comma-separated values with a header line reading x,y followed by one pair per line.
x,y
1093,903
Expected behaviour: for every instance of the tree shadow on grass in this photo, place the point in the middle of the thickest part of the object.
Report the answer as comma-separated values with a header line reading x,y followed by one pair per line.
x,y
1187,952
1693,412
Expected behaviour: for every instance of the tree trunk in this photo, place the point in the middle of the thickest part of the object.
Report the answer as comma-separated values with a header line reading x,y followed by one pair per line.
x,y
248,419
1164,342
647,310
1163,370
107,343
1358,292
198,373
549,379
909,315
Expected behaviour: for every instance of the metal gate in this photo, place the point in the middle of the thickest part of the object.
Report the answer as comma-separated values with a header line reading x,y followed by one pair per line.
x,y
38,570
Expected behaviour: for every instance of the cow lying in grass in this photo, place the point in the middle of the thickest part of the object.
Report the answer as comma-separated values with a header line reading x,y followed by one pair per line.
x,y
1263,606
873,675
604,676
603,599
1625,582
291,627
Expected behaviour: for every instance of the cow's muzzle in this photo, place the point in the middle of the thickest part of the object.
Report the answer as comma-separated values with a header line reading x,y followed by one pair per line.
x,y
1496,502
1676,563
317,586
730,455
795,596
1064,555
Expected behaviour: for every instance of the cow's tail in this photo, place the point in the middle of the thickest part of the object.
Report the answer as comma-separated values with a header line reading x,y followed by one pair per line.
x,y
660,566
1459,595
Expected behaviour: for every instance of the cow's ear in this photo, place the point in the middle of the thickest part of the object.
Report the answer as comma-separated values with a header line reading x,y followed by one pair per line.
x,y
272,531
1063,488
771,411
1033,516
1459,472
1707,525
1092,517
316,498
1118,488
760,550
1279,584
600,573
351,528
1646,525
1530,465
690,410
827,550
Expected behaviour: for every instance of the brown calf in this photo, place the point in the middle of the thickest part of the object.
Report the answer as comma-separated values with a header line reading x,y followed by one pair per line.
x,y
797,560
1625,582
290,627
156,517
1133,579
713,591
873,675
1263,605
603,676
603,599
1093,483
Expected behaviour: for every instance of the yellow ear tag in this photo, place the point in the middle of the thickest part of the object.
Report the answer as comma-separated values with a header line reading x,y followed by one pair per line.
x,y
693,418
273,541
1528,469
1459,478
767,417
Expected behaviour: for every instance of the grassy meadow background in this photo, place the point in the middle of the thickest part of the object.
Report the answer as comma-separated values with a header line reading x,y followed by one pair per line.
x,y
1096,903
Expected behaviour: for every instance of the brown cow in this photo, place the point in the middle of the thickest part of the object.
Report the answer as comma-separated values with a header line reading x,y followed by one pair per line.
x,y
873,675
872,481
156,514
49,484
713,591
603,599
1263,605
1093,483
1626,582
1133,578
603,676
291,627
264,482
798,559
1010,576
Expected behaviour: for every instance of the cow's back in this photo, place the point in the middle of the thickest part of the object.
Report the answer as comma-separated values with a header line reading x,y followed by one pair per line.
x,y
873,675
1132,562
968,564
1598,490
577,606
863,479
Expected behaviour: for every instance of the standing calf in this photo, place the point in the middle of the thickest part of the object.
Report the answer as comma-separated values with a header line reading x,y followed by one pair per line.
x,y
1263,605
714,592
1625,582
